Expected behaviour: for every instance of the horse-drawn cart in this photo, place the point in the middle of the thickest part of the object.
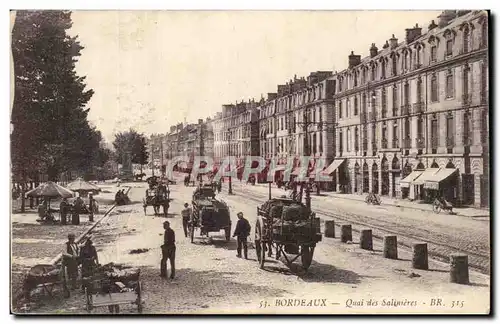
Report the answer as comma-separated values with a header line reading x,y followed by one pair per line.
x,y
45,277
158,196
112,287
290,228
209,214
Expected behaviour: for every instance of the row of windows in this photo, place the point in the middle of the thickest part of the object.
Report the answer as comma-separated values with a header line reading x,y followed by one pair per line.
x,y
347,110
412,59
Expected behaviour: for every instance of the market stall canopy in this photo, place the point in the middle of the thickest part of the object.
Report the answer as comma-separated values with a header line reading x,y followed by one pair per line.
x,y
332,167
441,175
405,183
50,189
428,174
81,185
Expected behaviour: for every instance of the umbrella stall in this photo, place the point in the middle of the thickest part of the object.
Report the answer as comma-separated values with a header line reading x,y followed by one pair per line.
x,y
83,187
47,191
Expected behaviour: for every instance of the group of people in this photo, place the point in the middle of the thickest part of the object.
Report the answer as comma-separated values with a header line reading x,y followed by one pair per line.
x,y
75,255
241,232
121,198
66,208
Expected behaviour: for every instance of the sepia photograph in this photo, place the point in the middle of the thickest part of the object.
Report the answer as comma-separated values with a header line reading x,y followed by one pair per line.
x,y
208,162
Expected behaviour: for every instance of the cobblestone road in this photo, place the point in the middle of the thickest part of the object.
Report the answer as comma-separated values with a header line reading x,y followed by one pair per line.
x,y
210,279
445,234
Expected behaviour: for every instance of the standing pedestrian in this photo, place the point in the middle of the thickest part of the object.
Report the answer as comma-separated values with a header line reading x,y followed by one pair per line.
x,y
186,218
89,258
77,209
242,231
168,251
63,210
71,255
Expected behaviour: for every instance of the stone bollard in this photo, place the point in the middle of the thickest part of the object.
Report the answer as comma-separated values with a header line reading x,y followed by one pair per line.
x,y
345,233
366,240
390,247
420,258
459,268
329,228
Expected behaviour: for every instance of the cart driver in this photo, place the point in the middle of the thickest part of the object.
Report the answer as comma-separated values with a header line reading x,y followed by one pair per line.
x,y
242,231
71,255
186,218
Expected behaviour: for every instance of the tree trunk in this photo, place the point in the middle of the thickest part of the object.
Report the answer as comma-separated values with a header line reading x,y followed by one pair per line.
x,y
23,192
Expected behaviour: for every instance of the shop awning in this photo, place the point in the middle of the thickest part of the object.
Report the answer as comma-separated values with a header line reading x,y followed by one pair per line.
x,y
405,183
441,175
426,175
332,167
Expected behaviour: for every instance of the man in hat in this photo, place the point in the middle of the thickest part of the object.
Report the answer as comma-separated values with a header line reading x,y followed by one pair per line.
x,y
168,251
242,231
63,210
89,258
186,218
71,255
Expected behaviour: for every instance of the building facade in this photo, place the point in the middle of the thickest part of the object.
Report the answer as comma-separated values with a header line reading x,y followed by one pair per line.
x,y
414,105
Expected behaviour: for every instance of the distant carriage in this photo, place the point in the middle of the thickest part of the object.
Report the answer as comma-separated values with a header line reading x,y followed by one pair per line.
x,y
209,214
158,196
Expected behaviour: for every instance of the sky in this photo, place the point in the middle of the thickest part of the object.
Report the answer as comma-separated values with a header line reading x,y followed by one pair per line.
x,y
153,69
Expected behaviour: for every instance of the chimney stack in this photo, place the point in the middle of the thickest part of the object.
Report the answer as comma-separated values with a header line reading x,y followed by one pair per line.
x,y
432,25
373,50
354,60
393,41
445,17
413,33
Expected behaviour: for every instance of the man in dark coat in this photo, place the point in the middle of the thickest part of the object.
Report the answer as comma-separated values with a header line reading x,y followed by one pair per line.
x,y
168,251
63,210
89,258
242,231
71,255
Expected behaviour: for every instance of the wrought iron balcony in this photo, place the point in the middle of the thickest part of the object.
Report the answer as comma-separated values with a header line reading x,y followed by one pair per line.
x,y
418,107
405,109
420,142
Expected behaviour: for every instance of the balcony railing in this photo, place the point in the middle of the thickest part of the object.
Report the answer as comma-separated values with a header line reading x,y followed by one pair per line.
x,y
434,142
384,143
420,142
418,107
406,109
395,142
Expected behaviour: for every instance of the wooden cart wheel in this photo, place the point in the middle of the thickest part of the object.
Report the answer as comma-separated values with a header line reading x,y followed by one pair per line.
x,y
306,255
367,199
227,231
